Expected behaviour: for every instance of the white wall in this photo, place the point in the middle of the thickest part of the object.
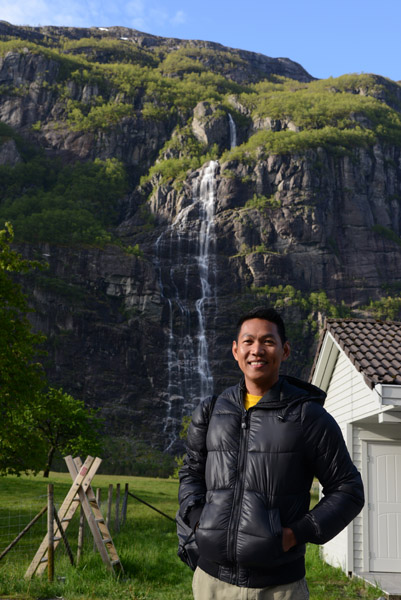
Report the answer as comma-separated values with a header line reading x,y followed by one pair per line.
x,y
348,396
348,399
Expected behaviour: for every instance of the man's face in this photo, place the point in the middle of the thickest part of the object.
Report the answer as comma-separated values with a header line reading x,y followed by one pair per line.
x,y
259,353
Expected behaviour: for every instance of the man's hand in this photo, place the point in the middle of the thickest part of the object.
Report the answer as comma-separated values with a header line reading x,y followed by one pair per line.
x,y
288,540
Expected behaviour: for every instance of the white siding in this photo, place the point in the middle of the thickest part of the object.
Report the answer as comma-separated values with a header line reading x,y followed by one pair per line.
x,y
358,521
348,396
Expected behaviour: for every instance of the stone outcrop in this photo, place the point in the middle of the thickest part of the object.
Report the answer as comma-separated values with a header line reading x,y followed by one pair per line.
x,y
211,125
9,154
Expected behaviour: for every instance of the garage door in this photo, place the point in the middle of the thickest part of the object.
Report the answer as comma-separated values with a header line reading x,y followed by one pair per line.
x,y
384,505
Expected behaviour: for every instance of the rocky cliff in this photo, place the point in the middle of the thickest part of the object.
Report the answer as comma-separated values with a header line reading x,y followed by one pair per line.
x,y
246,182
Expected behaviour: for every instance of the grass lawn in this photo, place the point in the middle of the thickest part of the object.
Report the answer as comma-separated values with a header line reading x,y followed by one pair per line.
x,y
146,545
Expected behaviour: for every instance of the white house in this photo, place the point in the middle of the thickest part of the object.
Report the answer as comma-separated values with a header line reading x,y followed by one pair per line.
x,y
358,364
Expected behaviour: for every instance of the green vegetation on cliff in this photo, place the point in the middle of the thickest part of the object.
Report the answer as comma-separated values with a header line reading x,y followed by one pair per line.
x,y
325,104
66,204
285,296
106,86
184,152
130,80
263,143
388,307
126,81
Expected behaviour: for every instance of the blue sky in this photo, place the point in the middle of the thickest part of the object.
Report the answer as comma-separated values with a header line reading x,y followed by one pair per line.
x,y
327,37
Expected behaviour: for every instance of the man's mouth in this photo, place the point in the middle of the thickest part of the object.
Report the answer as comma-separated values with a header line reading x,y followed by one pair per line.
x,y
257,363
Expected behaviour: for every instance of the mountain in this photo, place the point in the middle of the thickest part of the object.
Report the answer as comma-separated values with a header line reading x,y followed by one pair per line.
x,y
172,184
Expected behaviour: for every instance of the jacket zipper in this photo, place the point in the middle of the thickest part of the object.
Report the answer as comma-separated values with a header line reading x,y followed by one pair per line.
x,y
238,493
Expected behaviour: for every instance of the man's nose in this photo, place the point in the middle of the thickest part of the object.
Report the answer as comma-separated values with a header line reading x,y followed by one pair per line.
x,y
258,348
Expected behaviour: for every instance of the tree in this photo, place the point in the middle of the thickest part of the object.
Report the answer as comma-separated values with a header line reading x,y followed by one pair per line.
x,y
21,375
36,421
65,425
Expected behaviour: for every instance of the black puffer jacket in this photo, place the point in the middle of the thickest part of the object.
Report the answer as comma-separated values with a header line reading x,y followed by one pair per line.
x,y
248,473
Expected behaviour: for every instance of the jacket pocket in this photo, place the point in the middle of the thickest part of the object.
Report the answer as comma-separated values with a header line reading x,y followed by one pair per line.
x,y
211,535
259,538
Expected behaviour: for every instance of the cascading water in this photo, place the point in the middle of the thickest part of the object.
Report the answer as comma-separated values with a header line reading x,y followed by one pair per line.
x,y
186,266
233,131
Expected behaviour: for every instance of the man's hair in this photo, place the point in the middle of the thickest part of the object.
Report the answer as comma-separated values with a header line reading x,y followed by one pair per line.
x,y
268,314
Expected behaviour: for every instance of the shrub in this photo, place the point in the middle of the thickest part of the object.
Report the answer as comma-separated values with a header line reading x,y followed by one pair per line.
x,y
134,250
262,202
385,308
103,116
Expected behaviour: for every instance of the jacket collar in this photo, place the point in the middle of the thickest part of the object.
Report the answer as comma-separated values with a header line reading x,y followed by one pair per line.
x,y
288,390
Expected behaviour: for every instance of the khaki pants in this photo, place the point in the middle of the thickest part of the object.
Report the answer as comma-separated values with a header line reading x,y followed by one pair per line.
x,y
206,587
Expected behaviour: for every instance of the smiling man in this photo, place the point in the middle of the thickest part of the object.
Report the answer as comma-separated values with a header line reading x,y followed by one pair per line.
x,y
259,350
252,454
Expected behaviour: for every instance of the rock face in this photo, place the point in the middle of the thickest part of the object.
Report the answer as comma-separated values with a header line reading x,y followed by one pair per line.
x,y
211,125
145,337
9,154
317,225
92,311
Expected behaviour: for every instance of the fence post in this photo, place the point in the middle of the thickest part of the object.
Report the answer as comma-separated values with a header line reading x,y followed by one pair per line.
x,y
117,515
109,501
124,507
50,532
81,532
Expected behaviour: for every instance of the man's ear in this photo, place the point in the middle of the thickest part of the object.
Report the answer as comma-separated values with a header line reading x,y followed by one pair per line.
x,y
235,350
286,351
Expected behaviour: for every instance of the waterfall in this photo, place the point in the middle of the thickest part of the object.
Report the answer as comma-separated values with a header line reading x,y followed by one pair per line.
x,y
233,132
186,267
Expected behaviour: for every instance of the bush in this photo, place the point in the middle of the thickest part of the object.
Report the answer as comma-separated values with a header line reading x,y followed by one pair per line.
x,y
385,308
133,250
262,202
104,116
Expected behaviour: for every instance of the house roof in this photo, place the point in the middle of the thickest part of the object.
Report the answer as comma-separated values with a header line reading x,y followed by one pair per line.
x,y
373,347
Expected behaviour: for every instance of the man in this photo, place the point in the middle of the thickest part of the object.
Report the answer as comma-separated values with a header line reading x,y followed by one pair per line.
x,y
251,459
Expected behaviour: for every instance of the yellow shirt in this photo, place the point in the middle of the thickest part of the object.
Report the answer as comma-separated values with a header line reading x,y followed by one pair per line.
x,y
251,400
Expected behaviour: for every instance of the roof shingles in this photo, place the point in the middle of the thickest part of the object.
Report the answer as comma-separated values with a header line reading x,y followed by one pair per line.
x,y
373,347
